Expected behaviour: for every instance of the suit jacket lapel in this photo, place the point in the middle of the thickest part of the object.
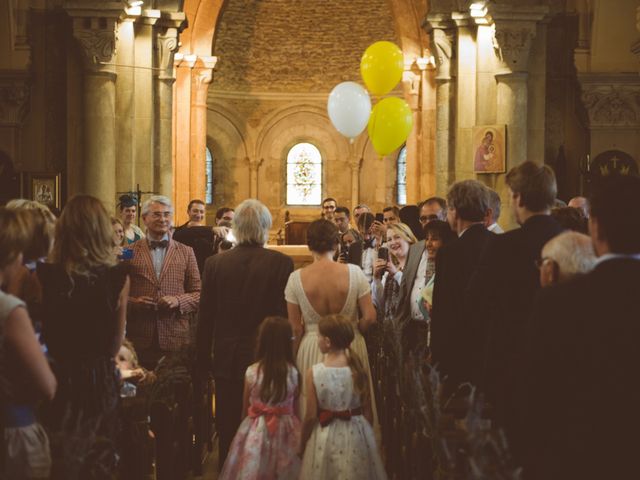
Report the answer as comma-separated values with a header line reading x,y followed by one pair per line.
x,y
171,251
149,271
411,268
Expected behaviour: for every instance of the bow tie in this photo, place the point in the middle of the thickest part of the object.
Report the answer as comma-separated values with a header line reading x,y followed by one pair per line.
x,y
153,244
368,243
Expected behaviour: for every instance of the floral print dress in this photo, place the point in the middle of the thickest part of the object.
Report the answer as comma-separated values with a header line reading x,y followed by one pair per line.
x,y
267,441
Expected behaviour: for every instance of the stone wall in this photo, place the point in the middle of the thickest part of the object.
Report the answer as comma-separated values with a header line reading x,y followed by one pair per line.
x,y
296,46
277,63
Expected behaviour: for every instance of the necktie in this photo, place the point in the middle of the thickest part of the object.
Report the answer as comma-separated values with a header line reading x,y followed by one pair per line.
x,y
153,244
368,243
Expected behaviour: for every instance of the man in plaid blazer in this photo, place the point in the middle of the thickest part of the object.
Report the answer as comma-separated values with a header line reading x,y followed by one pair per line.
x,y
165,287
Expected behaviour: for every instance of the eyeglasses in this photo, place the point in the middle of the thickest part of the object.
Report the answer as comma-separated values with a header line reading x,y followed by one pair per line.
x,y
161,214
428,218
541,261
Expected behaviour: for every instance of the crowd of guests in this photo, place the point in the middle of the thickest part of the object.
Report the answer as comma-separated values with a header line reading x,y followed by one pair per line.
x,y
542,320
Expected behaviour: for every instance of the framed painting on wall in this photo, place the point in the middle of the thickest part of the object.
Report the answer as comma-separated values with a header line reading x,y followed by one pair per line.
x,y
43,188
490,149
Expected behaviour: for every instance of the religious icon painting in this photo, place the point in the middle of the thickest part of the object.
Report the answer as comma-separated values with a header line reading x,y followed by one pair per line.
x,y
44,188
489,147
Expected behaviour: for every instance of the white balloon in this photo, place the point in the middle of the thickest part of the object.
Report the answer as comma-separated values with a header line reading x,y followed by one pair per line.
x,y
349,107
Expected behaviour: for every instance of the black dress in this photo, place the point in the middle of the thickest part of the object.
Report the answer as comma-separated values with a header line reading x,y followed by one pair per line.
x,y
79,325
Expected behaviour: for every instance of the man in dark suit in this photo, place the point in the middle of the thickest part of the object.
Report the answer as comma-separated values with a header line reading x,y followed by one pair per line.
x,y
583,362
456,347
240,288
503,287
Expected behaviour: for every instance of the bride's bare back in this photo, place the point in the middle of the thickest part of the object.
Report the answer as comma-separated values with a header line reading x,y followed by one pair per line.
x,y
326,285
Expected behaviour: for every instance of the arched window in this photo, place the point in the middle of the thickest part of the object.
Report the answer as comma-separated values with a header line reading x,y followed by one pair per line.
x,y
401,179
209,174
304,175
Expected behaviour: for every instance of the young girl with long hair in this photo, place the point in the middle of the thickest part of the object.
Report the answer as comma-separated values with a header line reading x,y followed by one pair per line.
x,y
337,437
266,443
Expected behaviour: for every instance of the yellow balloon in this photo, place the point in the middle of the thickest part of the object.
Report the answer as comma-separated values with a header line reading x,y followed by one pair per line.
x,y
381,67
389,125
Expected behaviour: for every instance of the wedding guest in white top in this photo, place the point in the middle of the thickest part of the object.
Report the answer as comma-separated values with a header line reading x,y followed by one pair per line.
x,y
388,272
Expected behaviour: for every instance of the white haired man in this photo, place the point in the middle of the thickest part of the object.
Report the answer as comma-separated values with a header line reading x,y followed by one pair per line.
x,y
565,256
240,287
165,287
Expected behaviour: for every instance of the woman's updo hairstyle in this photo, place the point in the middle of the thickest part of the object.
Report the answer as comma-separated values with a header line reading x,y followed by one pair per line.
x,y
322,236
441,230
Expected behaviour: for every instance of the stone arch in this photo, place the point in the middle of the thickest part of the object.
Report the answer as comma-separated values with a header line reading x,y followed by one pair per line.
x,y
283,130
227,141
199,39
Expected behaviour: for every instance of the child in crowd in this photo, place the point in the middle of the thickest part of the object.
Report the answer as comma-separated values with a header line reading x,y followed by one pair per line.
x,y
127,363
337,438
267,440
25,376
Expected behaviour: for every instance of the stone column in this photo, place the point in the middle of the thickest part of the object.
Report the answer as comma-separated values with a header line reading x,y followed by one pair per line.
x,y
635,47
166,44
15,102
254,166
95,30
442,35
201,78
355,164
515,29
413,94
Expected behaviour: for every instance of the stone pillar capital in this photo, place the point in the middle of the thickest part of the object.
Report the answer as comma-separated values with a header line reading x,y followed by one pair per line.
x,y
166,44
254,163
611,101
95,27
15,96
202,77
441,32
514,29
355,164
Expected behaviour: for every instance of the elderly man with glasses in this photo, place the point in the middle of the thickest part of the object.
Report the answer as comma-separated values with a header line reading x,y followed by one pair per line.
x,y
165,287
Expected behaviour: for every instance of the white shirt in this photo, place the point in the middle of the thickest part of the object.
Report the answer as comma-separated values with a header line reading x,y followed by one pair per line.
x,y
369,257
612,256
418,285
495,228
157,256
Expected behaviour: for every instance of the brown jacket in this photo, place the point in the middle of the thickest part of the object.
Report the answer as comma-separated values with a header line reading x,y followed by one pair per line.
x,y
179,278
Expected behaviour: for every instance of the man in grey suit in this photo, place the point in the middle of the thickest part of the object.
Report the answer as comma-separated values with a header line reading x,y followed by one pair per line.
x,y
240,287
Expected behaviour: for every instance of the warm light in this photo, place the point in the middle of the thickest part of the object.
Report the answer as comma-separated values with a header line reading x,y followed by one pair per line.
x,y
190,59
133,11
478,9
136,3
424,62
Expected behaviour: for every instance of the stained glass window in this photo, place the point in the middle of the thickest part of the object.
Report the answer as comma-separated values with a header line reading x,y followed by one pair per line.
x,y
304,175
401,181
209,177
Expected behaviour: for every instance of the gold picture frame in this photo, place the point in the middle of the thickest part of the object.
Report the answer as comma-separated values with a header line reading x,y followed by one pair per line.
x,y
44,188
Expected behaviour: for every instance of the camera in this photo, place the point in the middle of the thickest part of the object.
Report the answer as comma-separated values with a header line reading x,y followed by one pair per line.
x,y
383,254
